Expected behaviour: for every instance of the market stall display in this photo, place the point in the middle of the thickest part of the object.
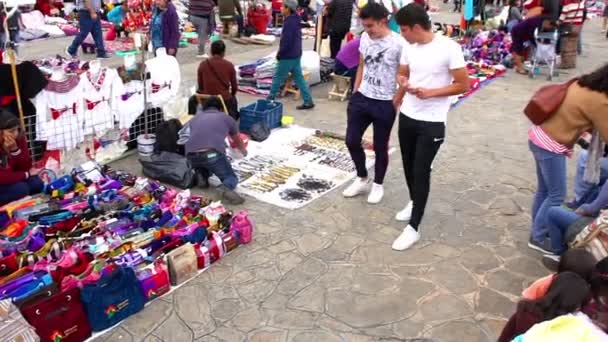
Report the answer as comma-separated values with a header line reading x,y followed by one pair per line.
x,y
99,246
296,166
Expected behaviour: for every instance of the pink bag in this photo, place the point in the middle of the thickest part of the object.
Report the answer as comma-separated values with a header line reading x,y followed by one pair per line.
x,y
242,227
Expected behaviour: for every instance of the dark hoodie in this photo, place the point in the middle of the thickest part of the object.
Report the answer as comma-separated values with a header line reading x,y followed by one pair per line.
x,y
518,324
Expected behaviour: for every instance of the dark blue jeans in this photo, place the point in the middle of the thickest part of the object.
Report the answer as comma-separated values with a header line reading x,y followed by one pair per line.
x,y
13,192
558,220
212,162
551,189
88,25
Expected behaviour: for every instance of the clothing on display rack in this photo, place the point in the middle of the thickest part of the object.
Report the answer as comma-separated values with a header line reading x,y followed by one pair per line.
x,y
164,80
131,104
103,92
60,113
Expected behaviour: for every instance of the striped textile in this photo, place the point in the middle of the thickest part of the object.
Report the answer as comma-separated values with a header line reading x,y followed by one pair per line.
x,y
539,138
573,12
13,327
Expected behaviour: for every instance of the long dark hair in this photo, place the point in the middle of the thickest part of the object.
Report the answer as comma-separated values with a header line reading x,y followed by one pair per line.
x,y
596,81
567,294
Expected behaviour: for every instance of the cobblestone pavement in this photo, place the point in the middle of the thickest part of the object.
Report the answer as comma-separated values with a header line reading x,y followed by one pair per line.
x,y
327,273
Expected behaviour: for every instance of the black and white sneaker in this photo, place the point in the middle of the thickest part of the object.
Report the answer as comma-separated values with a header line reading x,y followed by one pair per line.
x,y
543,247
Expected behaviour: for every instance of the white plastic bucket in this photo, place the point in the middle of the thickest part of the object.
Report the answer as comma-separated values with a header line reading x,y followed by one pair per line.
x,y
145,144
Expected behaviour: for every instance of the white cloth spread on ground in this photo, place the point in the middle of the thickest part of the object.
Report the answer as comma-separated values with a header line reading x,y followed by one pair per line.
x,y
164,79
102,94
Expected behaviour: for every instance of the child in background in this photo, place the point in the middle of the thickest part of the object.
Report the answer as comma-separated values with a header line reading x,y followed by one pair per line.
x,y
567,294
576,260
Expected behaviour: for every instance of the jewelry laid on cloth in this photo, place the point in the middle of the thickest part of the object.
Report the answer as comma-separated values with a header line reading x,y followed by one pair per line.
x,y
315,185
295,195
269,181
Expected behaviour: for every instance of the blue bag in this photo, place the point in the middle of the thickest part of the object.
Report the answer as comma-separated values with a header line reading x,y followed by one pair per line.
x,y
112,299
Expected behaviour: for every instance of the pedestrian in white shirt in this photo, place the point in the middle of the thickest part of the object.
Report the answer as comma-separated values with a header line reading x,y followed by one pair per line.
x,y
432,69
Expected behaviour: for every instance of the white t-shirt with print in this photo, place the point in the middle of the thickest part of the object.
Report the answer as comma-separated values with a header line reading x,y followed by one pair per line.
x,y
430,66
380,65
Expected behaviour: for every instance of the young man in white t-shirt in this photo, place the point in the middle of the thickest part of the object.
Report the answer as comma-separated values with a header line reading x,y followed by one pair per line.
x,y
373,100
432,69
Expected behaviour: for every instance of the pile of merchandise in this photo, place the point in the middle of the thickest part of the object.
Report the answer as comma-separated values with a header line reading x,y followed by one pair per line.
x,y
480,74
256,78
98,247
488,47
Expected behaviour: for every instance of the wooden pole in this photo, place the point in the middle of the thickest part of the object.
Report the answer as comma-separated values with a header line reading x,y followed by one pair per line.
x,y
13,60
319,33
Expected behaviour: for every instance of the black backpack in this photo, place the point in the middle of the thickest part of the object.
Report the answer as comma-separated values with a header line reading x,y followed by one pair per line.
x,y
166,137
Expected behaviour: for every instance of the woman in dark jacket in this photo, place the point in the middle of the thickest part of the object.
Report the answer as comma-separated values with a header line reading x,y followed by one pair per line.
x,y
164,28
17,177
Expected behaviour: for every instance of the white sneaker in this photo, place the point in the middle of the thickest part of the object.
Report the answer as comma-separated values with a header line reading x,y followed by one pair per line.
x,y
375,196
358,186
409,237
204,56
405,214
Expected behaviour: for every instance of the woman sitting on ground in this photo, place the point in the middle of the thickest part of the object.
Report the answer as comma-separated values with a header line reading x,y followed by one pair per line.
x,y
567,294
17,177
583,109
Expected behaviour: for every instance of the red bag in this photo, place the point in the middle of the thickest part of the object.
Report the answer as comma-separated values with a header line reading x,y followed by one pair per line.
x,y
203,258
8,265
60,317
545,102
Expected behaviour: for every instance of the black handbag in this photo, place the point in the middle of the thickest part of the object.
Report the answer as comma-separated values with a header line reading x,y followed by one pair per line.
x,y
170,168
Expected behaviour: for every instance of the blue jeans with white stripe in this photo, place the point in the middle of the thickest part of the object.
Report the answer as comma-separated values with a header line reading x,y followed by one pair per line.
x,y
551,189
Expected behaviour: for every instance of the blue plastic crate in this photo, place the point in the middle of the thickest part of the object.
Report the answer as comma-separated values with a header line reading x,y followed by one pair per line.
x,y
261,111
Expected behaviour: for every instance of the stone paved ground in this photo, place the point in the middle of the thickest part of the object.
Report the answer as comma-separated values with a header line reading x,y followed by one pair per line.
x,y
327,273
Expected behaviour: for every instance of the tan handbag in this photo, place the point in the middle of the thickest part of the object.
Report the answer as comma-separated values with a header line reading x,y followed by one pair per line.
x,y
182,264
13,327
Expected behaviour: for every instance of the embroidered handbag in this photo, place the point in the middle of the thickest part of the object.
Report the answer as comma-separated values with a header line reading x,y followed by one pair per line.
x,y
59,317
112,299
8,265
594,237
26,285
13,327
182,264
229,241
216,246
154,279
203,258
242,228
44,292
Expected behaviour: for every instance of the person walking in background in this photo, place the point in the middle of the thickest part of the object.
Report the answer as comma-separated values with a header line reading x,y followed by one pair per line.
x,y
432,71
230,11
89,12
202,16
217,76
290,55
373,100
339,14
